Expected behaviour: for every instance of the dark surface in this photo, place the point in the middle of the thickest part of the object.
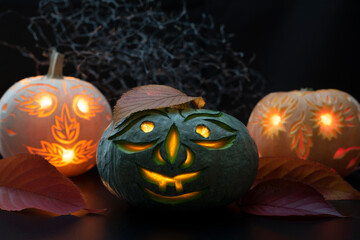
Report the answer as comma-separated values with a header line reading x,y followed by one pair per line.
x,y
297,44
120,221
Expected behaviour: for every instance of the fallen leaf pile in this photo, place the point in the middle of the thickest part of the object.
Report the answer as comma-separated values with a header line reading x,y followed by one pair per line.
x,y
296,187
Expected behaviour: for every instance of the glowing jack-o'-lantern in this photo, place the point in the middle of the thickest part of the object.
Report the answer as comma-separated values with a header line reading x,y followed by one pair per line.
x,y
60,118
321,126
171,157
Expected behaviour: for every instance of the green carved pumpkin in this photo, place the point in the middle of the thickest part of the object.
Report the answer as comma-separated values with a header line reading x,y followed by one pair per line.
x,y
178,158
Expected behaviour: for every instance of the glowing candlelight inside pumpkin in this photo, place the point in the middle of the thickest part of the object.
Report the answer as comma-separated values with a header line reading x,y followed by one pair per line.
x,y
68,155
65,118
147,126
326,119
275,119
45,102
203,131
83,106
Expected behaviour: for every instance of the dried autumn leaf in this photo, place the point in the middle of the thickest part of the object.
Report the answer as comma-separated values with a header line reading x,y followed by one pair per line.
x,y
279,197
151,97
29,181
324,180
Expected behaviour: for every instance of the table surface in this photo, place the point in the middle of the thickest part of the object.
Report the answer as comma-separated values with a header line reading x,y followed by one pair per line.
x,y
121,221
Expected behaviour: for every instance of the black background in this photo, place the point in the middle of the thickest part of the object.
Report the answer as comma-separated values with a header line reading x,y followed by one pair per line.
x,y
297,44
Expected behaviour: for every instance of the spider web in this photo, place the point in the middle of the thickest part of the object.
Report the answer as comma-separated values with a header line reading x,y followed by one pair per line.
x,y
120,44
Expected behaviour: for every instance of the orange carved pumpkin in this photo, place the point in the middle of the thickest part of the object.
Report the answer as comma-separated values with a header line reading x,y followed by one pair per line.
x,y
321,126
60,118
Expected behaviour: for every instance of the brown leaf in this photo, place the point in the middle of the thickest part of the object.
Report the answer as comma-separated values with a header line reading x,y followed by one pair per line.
x,y
29,181
323,179
151,97
286,198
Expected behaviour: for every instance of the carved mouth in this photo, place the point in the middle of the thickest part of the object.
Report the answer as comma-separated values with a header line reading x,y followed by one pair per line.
x,y
186,197
162,181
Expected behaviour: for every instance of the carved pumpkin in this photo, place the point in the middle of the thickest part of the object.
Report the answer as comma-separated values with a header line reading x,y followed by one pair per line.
x,y
59,118
171,157
321,126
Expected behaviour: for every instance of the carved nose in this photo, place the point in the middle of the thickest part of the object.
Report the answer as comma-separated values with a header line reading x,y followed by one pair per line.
x,y
172,144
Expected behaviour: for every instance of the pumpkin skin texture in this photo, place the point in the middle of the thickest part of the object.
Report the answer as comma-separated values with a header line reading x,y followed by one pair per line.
x,y
178,159
59,118
320,126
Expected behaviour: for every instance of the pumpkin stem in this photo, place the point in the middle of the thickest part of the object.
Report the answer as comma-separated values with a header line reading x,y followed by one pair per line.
x,y
56,65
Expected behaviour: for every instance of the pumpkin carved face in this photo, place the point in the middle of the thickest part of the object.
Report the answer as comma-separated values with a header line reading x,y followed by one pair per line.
x,y
321,126
178,157
61,119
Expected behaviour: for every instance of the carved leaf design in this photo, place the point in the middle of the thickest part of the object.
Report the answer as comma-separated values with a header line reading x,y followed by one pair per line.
x,y
66,129
50,151
272,115
86,106
83,151
60,156
41,104
300,135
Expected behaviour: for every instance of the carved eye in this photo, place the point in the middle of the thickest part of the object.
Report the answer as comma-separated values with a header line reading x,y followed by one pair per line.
x,y
221,143
203,130
147,126
45,101
42,104
86,106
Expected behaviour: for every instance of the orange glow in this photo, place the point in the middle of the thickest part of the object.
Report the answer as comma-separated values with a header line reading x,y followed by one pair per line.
x,y
158,158
189,159
326,119
130,147
83,106
147,126
203,130
163,181
66,129
173,199
10,132
212,144
300,134
45,102
60,156
42,104
86,106
272,119
275,119
67,155
138,148
172,144
216,144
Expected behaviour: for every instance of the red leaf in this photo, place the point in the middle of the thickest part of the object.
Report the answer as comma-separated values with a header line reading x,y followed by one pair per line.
x,y
29,181
151,97
324,180
286,198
